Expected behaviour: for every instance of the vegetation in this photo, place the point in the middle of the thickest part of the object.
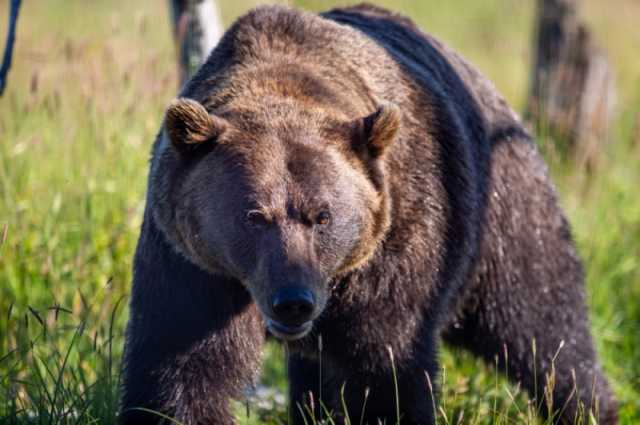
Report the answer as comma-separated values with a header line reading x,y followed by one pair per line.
x,y
84,102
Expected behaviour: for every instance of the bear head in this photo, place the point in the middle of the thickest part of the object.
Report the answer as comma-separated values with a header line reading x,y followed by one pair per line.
x,y
284,199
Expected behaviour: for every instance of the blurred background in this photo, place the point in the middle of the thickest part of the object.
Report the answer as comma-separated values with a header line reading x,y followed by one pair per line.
x,y
84,100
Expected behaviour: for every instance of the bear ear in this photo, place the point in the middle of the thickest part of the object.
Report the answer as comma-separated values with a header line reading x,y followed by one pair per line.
x,y
188,124
377,131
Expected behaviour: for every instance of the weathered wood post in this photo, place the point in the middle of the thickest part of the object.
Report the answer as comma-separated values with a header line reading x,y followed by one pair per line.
x,y
572,88
197,27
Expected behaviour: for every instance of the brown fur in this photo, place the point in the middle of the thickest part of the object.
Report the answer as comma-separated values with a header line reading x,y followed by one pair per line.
x,y
188,122
442,221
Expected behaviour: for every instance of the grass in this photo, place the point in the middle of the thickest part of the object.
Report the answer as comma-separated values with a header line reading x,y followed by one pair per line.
x,y
84,101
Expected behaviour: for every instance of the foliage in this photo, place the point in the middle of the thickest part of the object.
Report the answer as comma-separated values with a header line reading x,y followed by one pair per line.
x,y
85,100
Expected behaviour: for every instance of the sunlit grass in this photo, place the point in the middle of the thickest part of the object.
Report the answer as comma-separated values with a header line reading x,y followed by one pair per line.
x,y
84,101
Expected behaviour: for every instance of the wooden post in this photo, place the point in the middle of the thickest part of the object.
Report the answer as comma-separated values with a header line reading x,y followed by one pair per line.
x,y
572,89
197,27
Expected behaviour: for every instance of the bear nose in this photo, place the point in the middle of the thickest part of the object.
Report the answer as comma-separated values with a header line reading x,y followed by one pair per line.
x,y
293,306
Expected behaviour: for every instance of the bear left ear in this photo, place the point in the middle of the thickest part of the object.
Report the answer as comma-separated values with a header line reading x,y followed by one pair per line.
x,y
377,131
189,124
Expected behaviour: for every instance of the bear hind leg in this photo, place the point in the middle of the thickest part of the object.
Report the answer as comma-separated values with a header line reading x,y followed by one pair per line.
x,y
527,289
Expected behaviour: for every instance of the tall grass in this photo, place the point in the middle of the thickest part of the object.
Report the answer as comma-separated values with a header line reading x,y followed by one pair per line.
x,y
84,101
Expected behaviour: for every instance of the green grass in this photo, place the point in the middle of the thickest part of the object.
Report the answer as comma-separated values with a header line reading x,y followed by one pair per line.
x,y
84,101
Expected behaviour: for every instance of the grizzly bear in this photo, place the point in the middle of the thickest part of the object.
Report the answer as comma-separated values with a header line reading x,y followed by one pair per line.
x,y
353,186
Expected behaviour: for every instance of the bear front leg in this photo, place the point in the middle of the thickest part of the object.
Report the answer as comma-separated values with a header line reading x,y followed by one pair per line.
x,y
193,339
362,385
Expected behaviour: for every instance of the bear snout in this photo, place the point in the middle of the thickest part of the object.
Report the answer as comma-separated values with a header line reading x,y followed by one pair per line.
x,y
293,309
293,306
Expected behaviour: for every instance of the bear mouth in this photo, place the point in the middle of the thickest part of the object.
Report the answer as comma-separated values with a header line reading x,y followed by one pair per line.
x,y
289,333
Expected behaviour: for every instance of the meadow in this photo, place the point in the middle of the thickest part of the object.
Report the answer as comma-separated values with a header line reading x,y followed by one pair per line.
x,y
84,101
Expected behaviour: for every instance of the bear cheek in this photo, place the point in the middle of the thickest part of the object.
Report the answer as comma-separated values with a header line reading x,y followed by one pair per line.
x,y
338,248
234,249
208,238
360,242
189,234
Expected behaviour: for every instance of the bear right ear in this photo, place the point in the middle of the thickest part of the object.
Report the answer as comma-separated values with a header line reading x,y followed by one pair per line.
x,y
374,133
189,125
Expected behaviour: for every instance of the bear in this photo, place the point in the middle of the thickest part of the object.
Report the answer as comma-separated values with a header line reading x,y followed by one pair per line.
x,y
348,184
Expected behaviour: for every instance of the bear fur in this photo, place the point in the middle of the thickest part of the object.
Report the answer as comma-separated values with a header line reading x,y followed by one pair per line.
x,y
437,221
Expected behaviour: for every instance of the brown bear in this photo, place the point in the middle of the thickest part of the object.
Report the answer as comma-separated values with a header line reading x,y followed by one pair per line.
x,y
346,178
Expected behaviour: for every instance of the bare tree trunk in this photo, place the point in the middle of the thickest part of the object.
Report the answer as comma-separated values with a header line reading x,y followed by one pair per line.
x,y
197,27
572,88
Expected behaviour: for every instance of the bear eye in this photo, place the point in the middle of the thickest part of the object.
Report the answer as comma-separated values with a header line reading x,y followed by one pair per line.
x,y
257,218
323,218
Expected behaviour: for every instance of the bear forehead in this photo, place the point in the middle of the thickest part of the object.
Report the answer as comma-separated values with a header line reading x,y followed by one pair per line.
x,y
281,175
283,143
